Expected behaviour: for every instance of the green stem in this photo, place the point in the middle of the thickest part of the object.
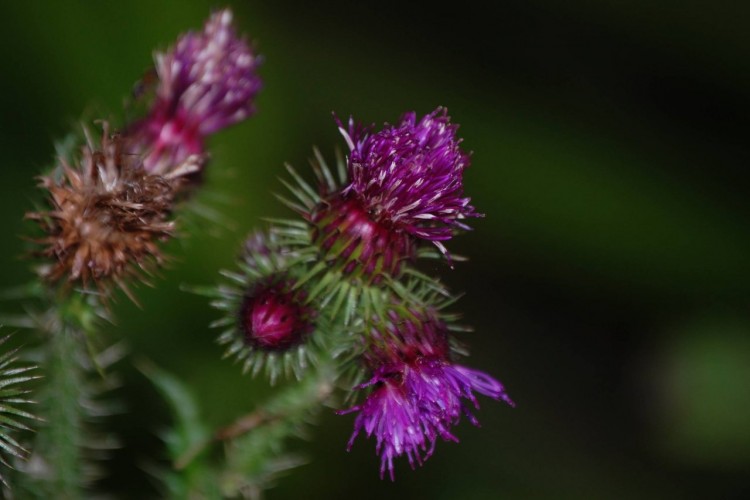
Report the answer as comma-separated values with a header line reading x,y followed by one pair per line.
x,y
63,437
58,466
289,406
257,445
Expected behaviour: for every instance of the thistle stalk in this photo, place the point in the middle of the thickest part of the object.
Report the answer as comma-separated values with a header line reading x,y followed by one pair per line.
x,y
58,444
254,445
291,406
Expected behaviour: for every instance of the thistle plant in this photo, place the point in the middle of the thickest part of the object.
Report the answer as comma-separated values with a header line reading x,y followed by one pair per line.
x,y
332,302
112,200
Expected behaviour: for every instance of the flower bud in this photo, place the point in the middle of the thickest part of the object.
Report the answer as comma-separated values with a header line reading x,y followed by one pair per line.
x,y
274,317
269,322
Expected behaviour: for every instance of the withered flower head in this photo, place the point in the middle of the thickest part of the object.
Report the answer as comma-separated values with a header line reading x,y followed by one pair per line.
x,y
107,217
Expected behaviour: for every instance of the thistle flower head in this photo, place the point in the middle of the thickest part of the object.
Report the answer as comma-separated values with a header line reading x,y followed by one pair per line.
x,y
107,217
409,177
419,393
207,81
389,414
269,321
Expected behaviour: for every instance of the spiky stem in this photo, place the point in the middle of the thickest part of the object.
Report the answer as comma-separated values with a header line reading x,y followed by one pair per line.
x,y
290,407
257,454
59,466
255,445
61,438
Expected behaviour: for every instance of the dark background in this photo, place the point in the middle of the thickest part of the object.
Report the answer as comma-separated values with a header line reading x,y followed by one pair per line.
x,y
609,283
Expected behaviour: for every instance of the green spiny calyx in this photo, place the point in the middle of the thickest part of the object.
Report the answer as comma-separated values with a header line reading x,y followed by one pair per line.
x,y
270,323
352,242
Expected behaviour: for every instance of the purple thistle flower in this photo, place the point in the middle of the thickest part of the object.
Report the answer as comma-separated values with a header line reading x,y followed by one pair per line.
x,y
409,177
440,388
391,416
414,404
206,82
419,393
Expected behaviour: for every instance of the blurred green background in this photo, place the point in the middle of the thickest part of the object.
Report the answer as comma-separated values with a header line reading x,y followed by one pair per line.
x,y
609,283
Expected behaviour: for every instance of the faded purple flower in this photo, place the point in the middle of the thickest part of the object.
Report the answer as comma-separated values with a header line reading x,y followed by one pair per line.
x,y
206,82
419,393
409,177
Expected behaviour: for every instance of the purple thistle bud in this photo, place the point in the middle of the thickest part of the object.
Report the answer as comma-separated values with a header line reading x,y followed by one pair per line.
x,y
409,177
268,319
274,317
206,82
419,393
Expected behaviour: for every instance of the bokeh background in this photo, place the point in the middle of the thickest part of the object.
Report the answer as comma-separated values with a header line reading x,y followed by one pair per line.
x,y
609,284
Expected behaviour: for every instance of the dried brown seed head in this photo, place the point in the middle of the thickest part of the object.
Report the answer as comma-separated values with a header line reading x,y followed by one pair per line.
x,y
107,219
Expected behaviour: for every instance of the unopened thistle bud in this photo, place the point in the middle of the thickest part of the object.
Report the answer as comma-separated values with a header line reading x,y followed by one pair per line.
x,y
107,219
418,392
269,321
273,315
206,82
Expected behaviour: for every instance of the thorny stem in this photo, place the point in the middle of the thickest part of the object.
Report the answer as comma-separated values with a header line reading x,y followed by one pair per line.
x,y
57,459
312,396
239,427
244,424
64,415
59,441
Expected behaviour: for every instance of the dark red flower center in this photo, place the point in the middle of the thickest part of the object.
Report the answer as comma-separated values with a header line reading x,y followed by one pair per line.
x,y
350,238
274,319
